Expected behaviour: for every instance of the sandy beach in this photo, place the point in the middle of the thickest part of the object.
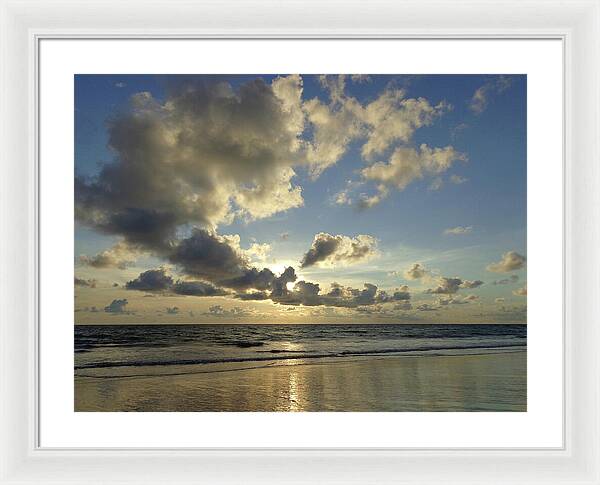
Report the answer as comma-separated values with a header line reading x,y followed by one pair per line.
x,y
478,382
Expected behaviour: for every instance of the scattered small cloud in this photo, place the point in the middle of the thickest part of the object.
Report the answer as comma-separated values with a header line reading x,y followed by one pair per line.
x,y
457,130
436,184
521,291
458,230
84,283
450,286
116,306
220,311
458,179
120,84
416,272
511,261
505,281
360,78
481,97
329,250
120,256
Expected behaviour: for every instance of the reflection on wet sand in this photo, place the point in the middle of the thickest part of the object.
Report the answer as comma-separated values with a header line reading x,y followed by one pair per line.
x,y
487,382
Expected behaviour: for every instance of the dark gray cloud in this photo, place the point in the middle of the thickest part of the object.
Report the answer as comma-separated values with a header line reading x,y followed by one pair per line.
x,y
220,311
151,280
197,288
309,294
159,280
209,256
116,306
327,249
253,295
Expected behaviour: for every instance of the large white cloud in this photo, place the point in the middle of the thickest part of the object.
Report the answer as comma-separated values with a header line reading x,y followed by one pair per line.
x,y
201,156
390,118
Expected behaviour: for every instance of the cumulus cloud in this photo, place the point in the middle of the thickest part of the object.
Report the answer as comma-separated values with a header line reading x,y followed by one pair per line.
x,y
482,95
521,291
203,155
408,164
208,153
511,261
309,294
416,272
458,230
390,118
158,280
118,256
116,306
151,280
471,284
197,288
329,250
450,286
84,283
446,286
259,252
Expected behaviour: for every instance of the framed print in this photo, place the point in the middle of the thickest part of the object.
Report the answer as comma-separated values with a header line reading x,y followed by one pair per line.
x,y
357,249
249,313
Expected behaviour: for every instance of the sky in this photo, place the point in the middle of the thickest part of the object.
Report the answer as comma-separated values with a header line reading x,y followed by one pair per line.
x,y
300,199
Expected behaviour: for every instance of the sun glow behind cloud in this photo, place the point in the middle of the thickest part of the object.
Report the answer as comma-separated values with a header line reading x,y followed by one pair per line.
x,y
207,177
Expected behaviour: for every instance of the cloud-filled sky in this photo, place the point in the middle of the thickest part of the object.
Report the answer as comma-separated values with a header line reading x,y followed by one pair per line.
x,y
300,198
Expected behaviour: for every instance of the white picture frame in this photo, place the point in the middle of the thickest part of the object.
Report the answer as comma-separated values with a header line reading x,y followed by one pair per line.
x,y
24,23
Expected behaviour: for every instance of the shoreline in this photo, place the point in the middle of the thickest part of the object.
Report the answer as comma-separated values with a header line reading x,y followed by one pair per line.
x,y
490,381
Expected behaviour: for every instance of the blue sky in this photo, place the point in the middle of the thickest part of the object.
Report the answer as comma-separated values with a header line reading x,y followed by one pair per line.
x,y
481,191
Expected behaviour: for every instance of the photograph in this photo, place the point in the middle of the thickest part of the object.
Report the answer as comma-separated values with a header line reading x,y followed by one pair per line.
x,y
300,242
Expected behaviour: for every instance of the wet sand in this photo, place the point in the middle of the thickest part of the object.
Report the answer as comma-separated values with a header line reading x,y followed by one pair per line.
x,y
483,382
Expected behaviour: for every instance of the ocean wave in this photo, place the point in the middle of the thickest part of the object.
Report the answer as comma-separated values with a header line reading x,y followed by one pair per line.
x,y
305,355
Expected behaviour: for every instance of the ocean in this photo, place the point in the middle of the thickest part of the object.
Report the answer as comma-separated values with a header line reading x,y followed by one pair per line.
x,y
101,346
303,367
